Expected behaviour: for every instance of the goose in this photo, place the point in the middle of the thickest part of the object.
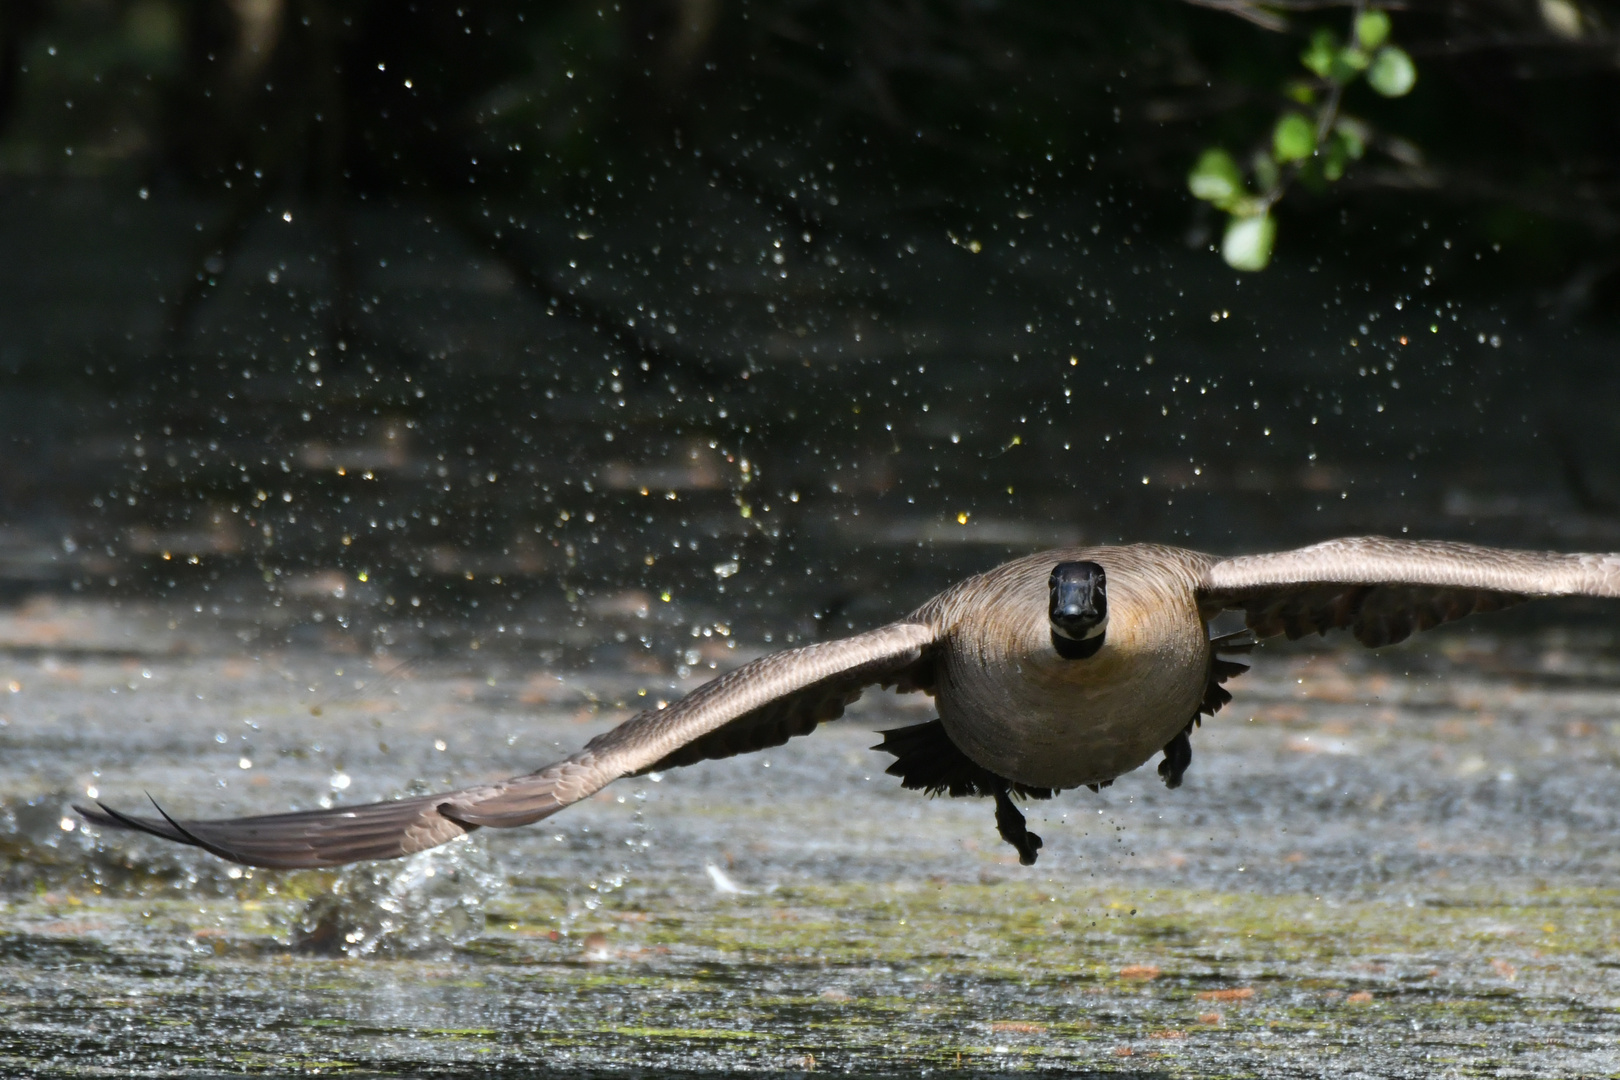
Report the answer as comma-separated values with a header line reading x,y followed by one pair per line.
x,y
1063,669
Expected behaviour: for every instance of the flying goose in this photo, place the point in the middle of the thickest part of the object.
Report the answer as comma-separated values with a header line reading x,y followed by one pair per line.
x,y
1061,669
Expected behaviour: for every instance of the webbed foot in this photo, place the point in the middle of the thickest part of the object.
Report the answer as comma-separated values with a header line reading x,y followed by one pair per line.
x,y
1010,824
1177,756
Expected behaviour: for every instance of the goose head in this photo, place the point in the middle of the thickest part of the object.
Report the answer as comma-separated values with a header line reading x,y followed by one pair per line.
x,y
1078,609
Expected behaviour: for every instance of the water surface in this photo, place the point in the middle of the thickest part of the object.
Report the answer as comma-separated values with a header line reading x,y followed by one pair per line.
x,y
1398,863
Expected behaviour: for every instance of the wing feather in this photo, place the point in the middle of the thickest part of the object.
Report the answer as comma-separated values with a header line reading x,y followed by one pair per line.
x,y
762,703
800,713
1384,589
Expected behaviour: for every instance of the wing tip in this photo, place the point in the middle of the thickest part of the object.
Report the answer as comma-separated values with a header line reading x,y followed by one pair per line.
x,y
170,829
189,837
117,819
95,817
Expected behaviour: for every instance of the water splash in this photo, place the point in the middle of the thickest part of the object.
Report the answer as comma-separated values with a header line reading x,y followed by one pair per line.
x,y
423,904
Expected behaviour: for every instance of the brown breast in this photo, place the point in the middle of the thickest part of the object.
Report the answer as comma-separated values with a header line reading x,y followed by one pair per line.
x,y
1017,708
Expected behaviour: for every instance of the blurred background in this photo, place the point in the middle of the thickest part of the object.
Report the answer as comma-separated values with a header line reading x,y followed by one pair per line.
x,y
582,325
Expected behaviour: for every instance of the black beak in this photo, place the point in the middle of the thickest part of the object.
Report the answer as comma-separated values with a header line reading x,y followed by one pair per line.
x,y
1079,608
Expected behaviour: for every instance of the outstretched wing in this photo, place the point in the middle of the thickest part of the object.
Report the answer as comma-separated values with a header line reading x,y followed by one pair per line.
x,y
1384,589
763,703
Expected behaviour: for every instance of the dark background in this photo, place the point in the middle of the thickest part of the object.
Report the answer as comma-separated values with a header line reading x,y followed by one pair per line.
x,y
586,324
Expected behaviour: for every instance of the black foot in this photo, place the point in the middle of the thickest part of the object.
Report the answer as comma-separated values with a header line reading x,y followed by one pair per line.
x,y
1010,824
1177,756
927,759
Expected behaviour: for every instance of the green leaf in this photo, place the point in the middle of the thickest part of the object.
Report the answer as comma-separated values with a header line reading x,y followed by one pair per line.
x,y
1352,134
1217,179
1392,72
1248,240
1372,29
1334,158
1300,91
1294,139
1266,175
1319,54
1348,63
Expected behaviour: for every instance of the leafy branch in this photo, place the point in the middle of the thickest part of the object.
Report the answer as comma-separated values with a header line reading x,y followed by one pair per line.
x,y
1317,146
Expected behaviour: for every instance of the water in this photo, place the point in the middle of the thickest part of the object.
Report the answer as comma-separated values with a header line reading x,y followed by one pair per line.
x,y
1384,864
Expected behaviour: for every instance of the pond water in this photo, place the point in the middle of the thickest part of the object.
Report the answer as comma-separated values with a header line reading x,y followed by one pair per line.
x,y
244,569
1387,864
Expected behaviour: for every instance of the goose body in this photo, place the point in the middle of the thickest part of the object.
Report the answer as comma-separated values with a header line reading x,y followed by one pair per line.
x,y
1018,708
1061,669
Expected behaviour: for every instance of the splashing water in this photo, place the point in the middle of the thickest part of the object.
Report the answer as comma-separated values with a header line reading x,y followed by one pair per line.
x,y
424,904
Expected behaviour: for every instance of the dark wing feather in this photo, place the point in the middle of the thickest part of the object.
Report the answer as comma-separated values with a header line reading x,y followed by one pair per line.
x,y
766,689
315,838
799,713
1383,589
383,830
